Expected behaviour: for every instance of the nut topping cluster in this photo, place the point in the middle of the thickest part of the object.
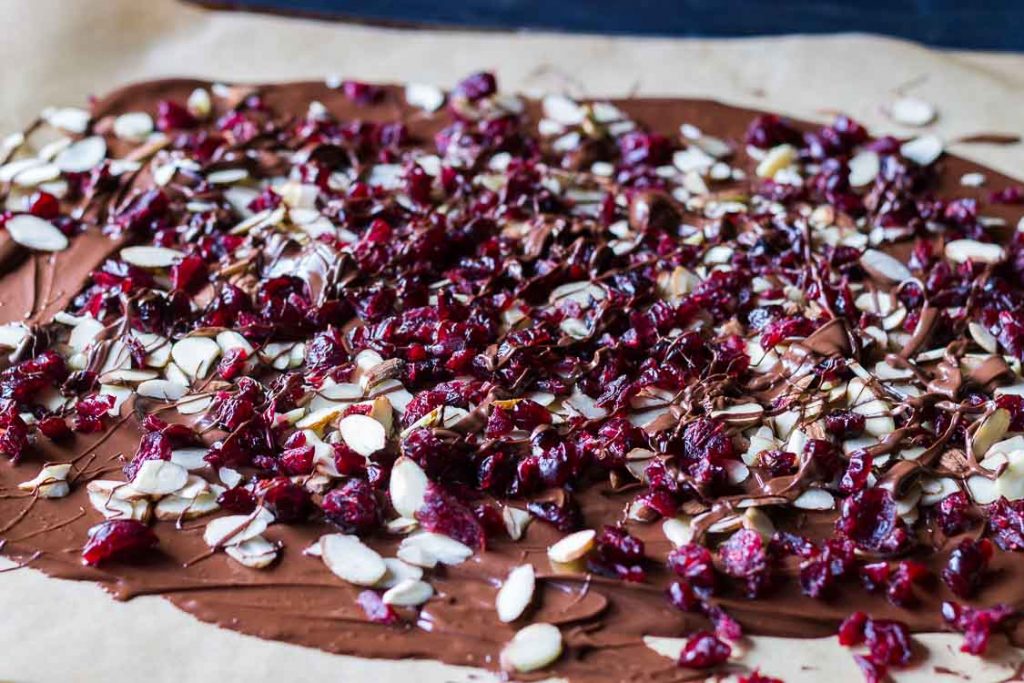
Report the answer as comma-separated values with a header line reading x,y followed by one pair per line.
x,y
788,360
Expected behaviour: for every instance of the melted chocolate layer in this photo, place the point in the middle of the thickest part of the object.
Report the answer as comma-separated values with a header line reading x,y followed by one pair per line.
x,y
298,601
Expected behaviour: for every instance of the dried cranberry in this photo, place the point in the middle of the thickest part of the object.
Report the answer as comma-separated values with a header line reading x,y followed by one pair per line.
x,y
703,650
951,514
845,424
55,428
347,461
44,205
297,460
173,116
445,514
352,506
619,553
476,86
238,500
153,446
695,564
288,501
1006,524
14,438
778,463
376,610
976,624
117,539
819,575
744,556
966,566
869,519
562,514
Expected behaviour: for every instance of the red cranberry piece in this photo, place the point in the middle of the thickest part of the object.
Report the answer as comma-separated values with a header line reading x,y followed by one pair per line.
x,y
1014,194
620,554
684,596
153,446
347,461
376,610
232,364
44,205
54,428
888,642
14,438
778,463
476,86
769,130
845,424
117,539
173,116
976,624
325,351
820,574
288,501
951,514
695,564
869,519
966,566
704,650
298,460
352,506
361,93
851,631
188,273
238,500
757,677
564,515
443,513
743,556
1006,524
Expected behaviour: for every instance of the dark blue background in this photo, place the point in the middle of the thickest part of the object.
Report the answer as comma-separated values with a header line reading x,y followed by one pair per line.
x,y
981,24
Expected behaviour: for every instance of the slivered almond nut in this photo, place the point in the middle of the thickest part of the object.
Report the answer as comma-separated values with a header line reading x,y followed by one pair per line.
x,y
398,571
255,553
515,593
162,389
741,415
408,593
352,560
516,521
82,156
159,477
777,159
912,111
408,487
923,151
134,126
885,267
679,531
864,167
426,549
195,356
572,547
426,97
961,251
533,647
233,529
563,110
982,337
151,257
814,499
199,103
363,434
35,233
992,428
51,482
174,507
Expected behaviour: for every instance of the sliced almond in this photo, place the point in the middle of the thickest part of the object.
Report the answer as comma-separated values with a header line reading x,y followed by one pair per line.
x,y
814,499
679,531
912,111
572,547
983,338
195,356
408,487
533,647
35,233
961,251
233,529
352,560
162,389
516,521
515,593
51,482
923,151
427,549
864,167
408,593
151,257
82,156
426,97
563,110
134,126
71,119
172,508
884,267
255,553
993,427
199,103
159,477
775,160
398,571
363,434
741,415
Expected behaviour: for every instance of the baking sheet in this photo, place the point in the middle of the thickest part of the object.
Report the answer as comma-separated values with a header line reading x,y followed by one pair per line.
x,y
61,51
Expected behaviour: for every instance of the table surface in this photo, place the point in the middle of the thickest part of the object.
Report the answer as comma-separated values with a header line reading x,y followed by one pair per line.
x,y
990,24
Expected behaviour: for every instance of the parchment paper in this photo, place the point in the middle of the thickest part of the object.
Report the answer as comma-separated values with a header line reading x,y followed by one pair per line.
x,y
61,51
